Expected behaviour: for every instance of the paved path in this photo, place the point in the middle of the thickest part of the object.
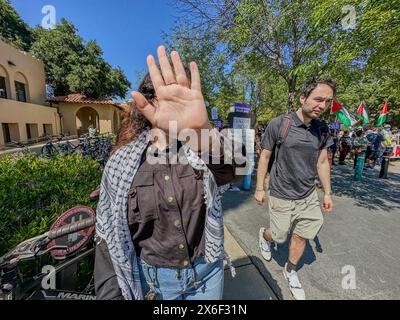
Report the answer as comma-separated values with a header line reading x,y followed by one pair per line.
x,y
361,236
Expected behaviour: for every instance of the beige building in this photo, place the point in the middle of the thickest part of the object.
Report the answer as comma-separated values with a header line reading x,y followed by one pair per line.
x,y
23,115
79,112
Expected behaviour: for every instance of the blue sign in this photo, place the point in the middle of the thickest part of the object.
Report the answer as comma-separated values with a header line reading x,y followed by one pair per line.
x,y
218,123
214,113
242,107
335,125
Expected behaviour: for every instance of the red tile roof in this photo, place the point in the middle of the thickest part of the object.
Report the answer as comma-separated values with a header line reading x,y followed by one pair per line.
x,y
125,106
81,98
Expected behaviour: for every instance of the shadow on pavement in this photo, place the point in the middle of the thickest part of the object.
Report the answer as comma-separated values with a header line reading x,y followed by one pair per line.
x,y
271,281
370,193
233,199
281,253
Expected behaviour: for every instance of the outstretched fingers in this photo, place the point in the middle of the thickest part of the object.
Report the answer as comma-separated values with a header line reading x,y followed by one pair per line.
x,y
166,69
155,75
180,72
144,106
196,82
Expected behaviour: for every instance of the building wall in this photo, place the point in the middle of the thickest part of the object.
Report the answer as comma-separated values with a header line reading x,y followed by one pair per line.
x,y
106,123
16,65
19,113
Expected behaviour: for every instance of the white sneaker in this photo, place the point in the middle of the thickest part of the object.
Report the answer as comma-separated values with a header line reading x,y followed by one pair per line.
x,y
265,246
294,284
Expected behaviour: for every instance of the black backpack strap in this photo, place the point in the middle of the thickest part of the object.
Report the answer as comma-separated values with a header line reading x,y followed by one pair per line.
x,y
284,127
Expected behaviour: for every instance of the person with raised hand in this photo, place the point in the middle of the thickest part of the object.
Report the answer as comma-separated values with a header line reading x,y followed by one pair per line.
x,y
159,222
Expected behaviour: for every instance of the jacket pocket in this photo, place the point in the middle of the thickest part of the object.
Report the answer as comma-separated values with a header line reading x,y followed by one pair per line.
x,y
143,203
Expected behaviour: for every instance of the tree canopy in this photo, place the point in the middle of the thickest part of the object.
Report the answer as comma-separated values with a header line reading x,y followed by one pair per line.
x,y
274,46
71,64
12,28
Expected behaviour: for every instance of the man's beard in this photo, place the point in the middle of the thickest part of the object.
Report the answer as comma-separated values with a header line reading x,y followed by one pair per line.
x,y
310,114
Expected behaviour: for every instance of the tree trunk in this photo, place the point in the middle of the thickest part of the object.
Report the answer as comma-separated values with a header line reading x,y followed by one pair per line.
x,y
292,94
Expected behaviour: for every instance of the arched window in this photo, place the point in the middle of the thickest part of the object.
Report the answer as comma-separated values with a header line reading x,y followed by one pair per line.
x,y
3,83
21,87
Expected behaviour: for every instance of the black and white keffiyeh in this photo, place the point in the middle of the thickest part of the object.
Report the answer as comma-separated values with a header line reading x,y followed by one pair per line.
x,y
111,215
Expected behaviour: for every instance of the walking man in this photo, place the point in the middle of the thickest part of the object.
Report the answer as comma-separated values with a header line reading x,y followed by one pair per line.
x,y
298,143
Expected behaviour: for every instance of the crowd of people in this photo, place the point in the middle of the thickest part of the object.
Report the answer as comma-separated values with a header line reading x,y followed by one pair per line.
x,y
372,140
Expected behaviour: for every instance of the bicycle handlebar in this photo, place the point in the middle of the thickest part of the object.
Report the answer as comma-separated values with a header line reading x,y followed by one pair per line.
x,y
71,228
34,247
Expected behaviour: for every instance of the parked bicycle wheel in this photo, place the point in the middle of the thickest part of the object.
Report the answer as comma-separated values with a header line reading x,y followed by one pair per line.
x,y
49,150
66,148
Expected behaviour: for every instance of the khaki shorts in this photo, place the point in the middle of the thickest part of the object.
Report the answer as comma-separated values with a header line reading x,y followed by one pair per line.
x,y
303,217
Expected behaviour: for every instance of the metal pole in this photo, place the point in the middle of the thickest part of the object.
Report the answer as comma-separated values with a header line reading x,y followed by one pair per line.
x,y
385,163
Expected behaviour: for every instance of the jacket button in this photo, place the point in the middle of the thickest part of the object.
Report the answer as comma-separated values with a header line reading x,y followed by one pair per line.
x,y
181,246
170,199
166,178
177,223
185,263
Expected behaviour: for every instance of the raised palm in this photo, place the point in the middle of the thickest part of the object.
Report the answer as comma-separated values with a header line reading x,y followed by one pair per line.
x,y
180,102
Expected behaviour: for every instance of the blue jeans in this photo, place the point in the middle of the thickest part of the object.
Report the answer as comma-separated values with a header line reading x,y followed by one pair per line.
x,y
203,281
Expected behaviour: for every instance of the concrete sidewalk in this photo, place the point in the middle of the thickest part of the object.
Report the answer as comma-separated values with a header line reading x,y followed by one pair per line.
x,y
249,283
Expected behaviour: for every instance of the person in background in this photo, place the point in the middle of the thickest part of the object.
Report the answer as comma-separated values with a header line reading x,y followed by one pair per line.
x,y
360,144
334,147
344,147
376,140
91,131
386,145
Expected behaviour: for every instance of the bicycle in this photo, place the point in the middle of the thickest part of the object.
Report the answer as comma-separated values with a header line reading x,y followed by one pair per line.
x,y
57,241
24,147
49,150
67,148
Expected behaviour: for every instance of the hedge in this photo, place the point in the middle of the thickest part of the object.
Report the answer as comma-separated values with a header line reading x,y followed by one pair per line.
x,y
34,191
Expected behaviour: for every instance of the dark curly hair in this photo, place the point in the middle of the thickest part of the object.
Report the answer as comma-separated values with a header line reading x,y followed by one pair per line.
x,y
133,122
312,83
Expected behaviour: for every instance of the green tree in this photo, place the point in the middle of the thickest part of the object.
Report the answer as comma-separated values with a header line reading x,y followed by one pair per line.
x,y
73,66
280,42
220,88
280,36
12,28
373,41
226,81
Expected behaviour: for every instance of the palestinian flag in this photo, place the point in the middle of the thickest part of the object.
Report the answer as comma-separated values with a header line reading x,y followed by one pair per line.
x,y
344,116
361,112
383,116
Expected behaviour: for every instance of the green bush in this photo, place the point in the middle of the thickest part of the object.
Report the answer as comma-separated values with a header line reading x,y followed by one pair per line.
x,y
34,191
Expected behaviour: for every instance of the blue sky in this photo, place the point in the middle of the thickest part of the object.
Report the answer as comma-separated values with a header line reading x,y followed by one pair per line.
x,y
126,30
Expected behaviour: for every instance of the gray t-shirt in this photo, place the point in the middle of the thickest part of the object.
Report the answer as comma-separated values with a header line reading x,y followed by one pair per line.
x,y
293,173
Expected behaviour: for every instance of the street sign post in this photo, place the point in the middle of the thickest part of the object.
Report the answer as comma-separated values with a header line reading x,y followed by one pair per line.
x,y
245,121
